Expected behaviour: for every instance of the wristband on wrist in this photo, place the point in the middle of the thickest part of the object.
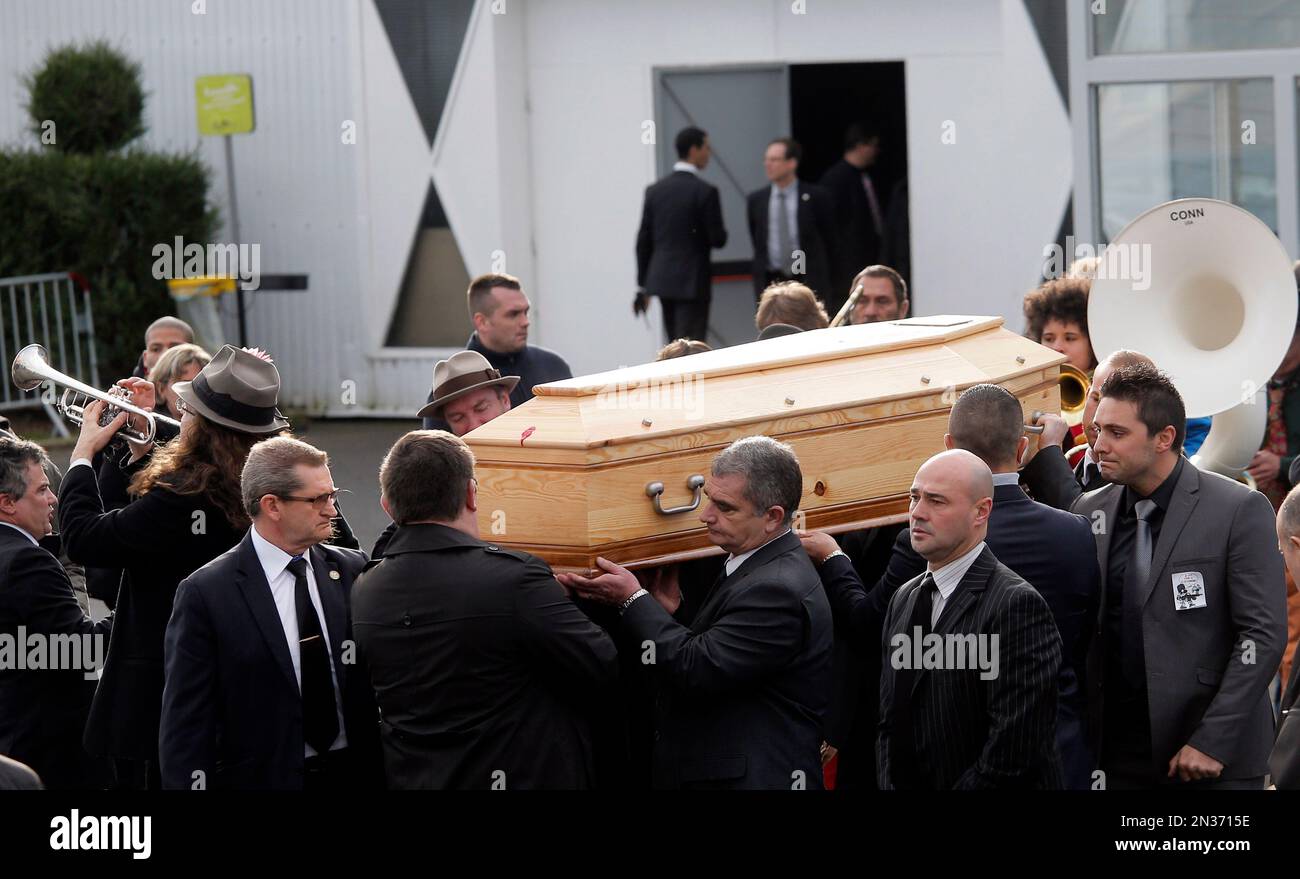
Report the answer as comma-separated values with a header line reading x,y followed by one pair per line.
x,y
631,598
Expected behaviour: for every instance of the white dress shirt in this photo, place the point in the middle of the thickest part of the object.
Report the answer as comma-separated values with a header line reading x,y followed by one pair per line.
x,y
23,531
275,564
686,166
947,578
735,561
776,260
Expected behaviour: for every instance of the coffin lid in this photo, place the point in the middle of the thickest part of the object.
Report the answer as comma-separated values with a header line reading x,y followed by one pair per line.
x,y
790,375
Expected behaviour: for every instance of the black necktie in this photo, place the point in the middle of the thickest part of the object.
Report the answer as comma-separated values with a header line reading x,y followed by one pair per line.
x,y
1135,580
904,770
319,708
1091,474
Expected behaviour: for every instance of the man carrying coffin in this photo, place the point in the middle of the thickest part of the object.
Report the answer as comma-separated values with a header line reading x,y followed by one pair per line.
x,y
740,689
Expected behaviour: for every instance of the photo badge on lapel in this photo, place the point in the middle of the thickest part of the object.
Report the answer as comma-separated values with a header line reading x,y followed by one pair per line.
x,y
1189,590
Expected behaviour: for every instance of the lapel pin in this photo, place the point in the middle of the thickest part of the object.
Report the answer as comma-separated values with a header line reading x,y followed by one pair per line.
x,y
806,196
334,575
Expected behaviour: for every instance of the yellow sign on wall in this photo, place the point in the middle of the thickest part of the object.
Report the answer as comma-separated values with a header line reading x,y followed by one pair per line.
x,y
224,103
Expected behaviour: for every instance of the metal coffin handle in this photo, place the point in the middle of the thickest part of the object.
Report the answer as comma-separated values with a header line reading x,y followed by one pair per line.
x,y
655,491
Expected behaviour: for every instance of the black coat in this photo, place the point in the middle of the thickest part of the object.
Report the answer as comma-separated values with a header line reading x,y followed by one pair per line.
x,y
1051,481
741,694
483,668
970,733
817,237
1054,552
43,711
681,220
158,539
232,707
860,243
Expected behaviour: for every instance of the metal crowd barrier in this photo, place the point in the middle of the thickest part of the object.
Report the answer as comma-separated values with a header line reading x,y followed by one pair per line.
x,y
54,310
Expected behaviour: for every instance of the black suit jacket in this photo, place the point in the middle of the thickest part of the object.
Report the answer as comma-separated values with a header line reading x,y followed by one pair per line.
x,y
681,220
158,539
860,243
971,733
43,711
484,669
232,706
1051,481
817,237
741,693
1055,552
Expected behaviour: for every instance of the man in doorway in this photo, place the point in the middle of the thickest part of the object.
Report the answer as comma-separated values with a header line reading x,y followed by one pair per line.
x,y
791,225
859,215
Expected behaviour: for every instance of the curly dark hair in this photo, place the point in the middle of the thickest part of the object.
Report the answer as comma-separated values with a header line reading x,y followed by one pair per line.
x,y
1065,299
207,461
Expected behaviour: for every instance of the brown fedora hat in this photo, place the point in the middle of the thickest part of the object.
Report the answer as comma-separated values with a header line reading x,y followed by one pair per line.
x,y
459,374
238,390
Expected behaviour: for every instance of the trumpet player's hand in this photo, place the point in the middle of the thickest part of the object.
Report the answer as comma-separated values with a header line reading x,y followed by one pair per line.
x,y
93,438
1265,466
143,393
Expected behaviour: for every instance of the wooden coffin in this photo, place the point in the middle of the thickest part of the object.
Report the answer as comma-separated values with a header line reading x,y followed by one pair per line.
x,y
565,476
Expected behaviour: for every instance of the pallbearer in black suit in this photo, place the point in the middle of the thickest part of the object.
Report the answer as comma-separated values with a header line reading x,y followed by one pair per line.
x,y
1054,551
484,669
263,690
791,225
742,689
1047,475
43,710
681,221
971,654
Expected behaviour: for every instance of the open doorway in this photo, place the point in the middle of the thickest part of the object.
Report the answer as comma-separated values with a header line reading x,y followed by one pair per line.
x,y
825,99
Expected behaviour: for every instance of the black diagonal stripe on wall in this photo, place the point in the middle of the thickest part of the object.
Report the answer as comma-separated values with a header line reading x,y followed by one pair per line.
x,y
426,38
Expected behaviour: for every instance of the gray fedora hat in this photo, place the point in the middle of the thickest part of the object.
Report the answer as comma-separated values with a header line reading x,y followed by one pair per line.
x,y
238,390
459,374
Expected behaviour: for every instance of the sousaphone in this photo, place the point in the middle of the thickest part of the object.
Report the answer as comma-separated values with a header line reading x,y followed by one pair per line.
x,y
1204,289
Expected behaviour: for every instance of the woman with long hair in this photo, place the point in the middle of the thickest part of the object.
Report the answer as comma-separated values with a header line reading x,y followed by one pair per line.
x,y
185,510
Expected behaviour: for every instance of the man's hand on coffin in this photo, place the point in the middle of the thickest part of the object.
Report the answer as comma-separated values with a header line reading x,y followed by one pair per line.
x,y
817,544
1055,432
662,584
614,586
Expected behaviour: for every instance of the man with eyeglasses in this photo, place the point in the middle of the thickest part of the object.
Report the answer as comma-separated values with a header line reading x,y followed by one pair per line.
x,y
263,690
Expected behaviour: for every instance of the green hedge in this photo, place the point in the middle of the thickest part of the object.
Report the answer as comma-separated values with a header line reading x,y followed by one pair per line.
x,y
101,213
100,216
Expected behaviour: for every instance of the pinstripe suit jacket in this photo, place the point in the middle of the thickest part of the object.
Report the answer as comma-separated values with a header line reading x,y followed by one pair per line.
x,y
972,733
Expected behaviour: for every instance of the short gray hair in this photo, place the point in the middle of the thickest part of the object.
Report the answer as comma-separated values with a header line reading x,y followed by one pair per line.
x,y
16,455
269,469
771,471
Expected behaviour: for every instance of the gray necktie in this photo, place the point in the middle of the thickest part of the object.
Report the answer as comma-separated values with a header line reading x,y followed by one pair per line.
x,y
1135,580
783,233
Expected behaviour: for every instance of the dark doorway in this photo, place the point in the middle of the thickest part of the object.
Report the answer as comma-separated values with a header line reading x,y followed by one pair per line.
x,y
825,99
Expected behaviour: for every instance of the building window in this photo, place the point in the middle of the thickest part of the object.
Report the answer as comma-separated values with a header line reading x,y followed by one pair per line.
x,y
1138,26
1165,140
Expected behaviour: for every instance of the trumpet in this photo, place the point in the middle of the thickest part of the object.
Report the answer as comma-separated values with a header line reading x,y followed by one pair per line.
x,y
1073,383
31,368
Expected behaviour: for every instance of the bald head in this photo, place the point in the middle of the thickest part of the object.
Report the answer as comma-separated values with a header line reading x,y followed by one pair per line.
x,y
1288,531
1121,359
951,497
